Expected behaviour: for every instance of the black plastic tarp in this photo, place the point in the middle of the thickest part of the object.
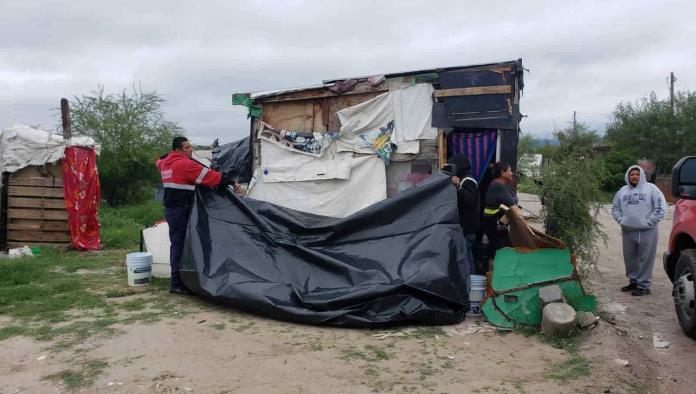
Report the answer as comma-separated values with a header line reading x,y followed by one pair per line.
x,y
234,158
402,260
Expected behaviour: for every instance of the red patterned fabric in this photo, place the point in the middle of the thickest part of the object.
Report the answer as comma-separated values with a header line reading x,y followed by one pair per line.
x,y
82,196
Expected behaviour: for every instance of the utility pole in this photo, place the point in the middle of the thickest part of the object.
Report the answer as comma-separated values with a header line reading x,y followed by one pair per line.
x,y
671,91
575,122
65,117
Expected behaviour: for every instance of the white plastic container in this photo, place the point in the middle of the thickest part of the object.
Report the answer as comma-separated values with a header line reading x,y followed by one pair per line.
x,y
139,268
477,292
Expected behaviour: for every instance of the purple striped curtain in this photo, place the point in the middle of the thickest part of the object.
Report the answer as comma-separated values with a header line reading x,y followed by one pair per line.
x,y
478,147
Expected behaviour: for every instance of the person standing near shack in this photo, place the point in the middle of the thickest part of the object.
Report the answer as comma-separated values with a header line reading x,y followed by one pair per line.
x,y
498,193
180,176
638,208
468,203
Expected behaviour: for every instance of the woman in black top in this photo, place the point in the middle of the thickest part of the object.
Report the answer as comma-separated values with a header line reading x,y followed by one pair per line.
x,y
468,204
498,192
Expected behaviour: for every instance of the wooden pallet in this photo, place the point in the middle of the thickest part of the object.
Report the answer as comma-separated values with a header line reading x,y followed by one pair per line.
x,y
36,214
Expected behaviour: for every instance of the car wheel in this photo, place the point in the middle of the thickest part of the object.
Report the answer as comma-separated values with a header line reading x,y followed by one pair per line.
x,y
683,291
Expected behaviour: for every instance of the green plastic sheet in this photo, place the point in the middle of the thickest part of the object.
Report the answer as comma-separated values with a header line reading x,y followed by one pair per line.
x,y
245,100
518,274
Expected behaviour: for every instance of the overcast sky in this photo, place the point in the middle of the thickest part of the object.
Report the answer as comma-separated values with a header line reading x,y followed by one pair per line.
x,y
584,57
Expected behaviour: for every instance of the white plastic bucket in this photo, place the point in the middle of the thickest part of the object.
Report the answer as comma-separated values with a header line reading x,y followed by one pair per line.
x,y
139,268
477,292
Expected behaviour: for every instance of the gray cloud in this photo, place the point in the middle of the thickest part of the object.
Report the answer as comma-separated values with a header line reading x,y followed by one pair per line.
x,y
584,57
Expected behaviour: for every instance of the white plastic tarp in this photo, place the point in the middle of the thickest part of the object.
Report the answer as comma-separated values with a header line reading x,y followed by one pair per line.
x,y
410,108
336,184
22,146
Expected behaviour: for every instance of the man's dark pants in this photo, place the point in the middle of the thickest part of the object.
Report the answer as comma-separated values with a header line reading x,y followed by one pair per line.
x,y
177,218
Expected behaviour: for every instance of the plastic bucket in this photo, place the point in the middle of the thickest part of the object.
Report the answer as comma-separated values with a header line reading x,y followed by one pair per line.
x,y
139,268
477,292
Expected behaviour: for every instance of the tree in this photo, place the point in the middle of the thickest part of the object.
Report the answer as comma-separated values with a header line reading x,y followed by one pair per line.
x,y
131,131
653,131
576,139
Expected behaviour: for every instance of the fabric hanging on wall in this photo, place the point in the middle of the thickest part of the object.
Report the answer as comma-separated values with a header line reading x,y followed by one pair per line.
x,y
335,185
305,142
380,142
82,196
410,108
479,147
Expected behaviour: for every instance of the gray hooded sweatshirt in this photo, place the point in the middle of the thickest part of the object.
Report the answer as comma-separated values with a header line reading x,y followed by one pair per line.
x,y
640,207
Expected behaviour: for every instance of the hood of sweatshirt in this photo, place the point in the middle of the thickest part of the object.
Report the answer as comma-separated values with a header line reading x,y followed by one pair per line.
x,y
643,180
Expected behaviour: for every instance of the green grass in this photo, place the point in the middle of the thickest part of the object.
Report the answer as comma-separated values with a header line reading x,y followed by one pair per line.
x,y
573,368
85,376
121,226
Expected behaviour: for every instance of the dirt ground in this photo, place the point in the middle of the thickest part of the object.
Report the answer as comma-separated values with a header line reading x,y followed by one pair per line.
x,y
214,349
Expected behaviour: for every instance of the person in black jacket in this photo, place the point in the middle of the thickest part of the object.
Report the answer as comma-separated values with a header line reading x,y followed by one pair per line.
x,y
468,203
499,192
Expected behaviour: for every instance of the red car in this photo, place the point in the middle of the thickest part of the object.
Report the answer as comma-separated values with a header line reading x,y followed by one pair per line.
x,y
680,260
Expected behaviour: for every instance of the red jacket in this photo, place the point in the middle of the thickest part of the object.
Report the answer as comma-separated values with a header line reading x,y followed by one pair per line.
x,y
181,175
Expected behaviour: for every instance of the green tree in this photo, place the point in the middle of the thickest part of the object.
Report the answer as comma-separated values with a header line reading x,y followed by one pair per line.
x,y
131,131
652,130
576,139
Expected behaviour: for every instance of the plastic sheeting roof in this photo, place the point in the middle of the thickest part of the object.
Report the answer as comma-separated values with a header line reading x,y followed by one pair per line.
x,y
22,146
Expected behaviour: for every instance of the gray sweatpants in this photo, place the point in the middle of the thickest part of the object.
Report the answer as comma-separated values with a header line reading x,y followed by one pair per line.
x,y
639,248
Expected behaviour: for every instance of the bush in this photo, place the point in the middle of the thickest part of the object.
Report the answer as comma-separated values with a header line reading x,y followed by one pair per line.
x,y
572,198
121,226
132,132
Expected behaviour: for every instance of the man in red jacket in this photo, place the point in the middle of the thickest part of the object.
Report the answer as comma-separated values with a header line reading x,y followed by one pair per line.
x,y
180,176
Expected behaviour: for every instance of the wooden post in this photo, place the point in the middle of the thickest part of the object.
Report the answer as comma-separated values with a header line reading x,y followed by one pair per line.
x,y
65,117
442,147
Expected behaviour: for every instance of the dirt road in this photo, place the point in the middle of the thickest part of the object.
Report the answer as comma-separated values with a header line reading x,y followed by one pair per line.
x,y
213,349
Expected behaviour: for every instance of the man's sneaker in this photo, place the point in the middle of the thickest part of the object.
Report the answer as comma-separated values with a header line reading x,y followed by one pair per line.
x,y
640,292
630,287
179,290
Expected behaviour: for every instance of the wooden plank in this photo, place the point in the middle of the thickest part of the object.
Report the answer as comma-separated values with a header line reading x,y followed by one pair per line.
x,y
360,88
502,89
58,245
441,147
39,225
343,102
37,236
17,213
29,191
36,181
53,170
19,202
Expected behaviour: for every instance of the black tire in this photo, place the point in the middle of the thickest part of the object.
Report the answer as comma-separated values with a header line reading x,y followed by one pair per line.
x,y
683,291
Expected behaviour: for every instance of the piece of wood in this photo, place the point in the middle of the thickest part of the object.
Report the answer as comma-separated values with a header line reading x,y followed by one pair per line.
x,y
51,170
65,117
309,94
441,147
37,236
58,245
39,225
20,202
476,91
36,181
16,213
29,191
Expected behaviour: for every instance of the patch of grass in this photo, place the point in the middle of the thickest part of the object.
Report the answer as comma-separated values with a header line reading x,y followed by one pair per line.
x,y
11,331
428,332
121,226
634,387
370,370
425,369
83,377
574,367
377,353
118,293
568,342
134,305
218,326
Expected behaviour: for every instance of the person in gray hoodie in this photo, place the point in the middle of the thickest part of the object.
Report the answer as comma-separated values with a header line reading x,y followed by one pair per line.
x,y
638,207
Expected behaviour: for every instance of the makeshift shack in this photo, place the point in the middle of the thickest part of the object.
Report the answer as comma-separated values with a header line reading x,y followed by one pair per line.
x,y
33,207
371,137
